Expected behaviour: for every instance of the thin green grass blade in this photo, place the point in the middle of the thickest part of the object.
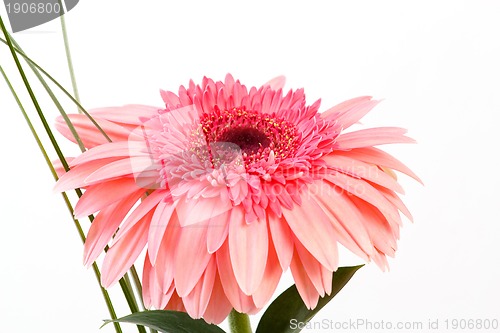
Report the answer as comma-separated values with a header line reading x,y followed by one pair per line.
x,y
95,268
128,293
80,107
54,99
14,47
126,288
70,61
33,98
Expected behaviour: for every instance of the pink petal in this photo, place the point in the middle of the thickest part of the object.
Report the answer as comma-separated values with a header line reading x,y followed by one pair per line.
x,y
218,307
396,201
350,112
201,210
318,235
75,178
191,245
170,98
175,303
345,106
372,137
282,240
87,131
165,260
147,284
120,168
306,289
363,170
270,280
121,149
347,222
248,247
123,254
99,196
381,233
58,166
196,301
239,301
152,292
159,222
380,259
276,83
368,193
150,202
131,114
105,225
217,231
378,157
312,268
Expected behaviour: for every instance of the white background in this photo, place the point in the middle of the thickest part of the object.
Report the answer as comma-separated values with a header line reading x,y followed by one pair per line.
x,y
435,64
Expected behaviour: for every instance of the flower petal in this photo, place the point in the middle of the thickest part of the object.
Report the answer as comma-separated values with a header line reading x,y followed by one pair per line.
x,y
120,168
144,207
121,149
88,133
317,236
122,254
217,231
378,157
350,112
270,280
248,247
347,222
312,268
201,210
239,301
372,137
306,289
276,83
165,259
105,225
102,195
75,178
159,222
197,300
282,240
218,307
191,245
368,193
358,169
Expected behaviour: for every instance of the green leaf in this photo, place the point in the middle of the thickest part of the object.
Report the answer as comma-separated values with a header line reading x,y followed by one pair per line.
x,y
289,305
168,322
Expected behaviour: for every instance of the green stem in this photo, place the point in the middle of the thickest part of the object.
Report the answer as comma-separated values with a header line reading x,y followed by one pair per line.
x,y
137,283
129,296
70,62
239,322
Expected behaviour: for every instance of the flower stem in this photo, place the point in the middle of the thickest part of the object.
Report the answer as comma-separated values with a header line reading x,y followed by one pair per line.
x,y
239,322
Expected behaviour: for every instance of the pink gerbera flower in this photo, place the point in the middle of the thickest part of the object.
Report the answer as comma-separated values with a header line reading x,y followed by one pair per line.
x,y
227,187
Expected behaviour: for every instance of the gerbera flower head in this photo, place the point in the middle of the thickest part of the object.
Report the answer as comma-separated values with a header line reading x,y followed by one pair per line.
x,y
227,187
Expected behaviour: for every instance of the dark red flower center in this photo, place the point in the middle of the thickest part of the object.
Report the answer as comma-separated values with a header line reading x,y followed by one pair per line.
x,y
250,134
248,139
